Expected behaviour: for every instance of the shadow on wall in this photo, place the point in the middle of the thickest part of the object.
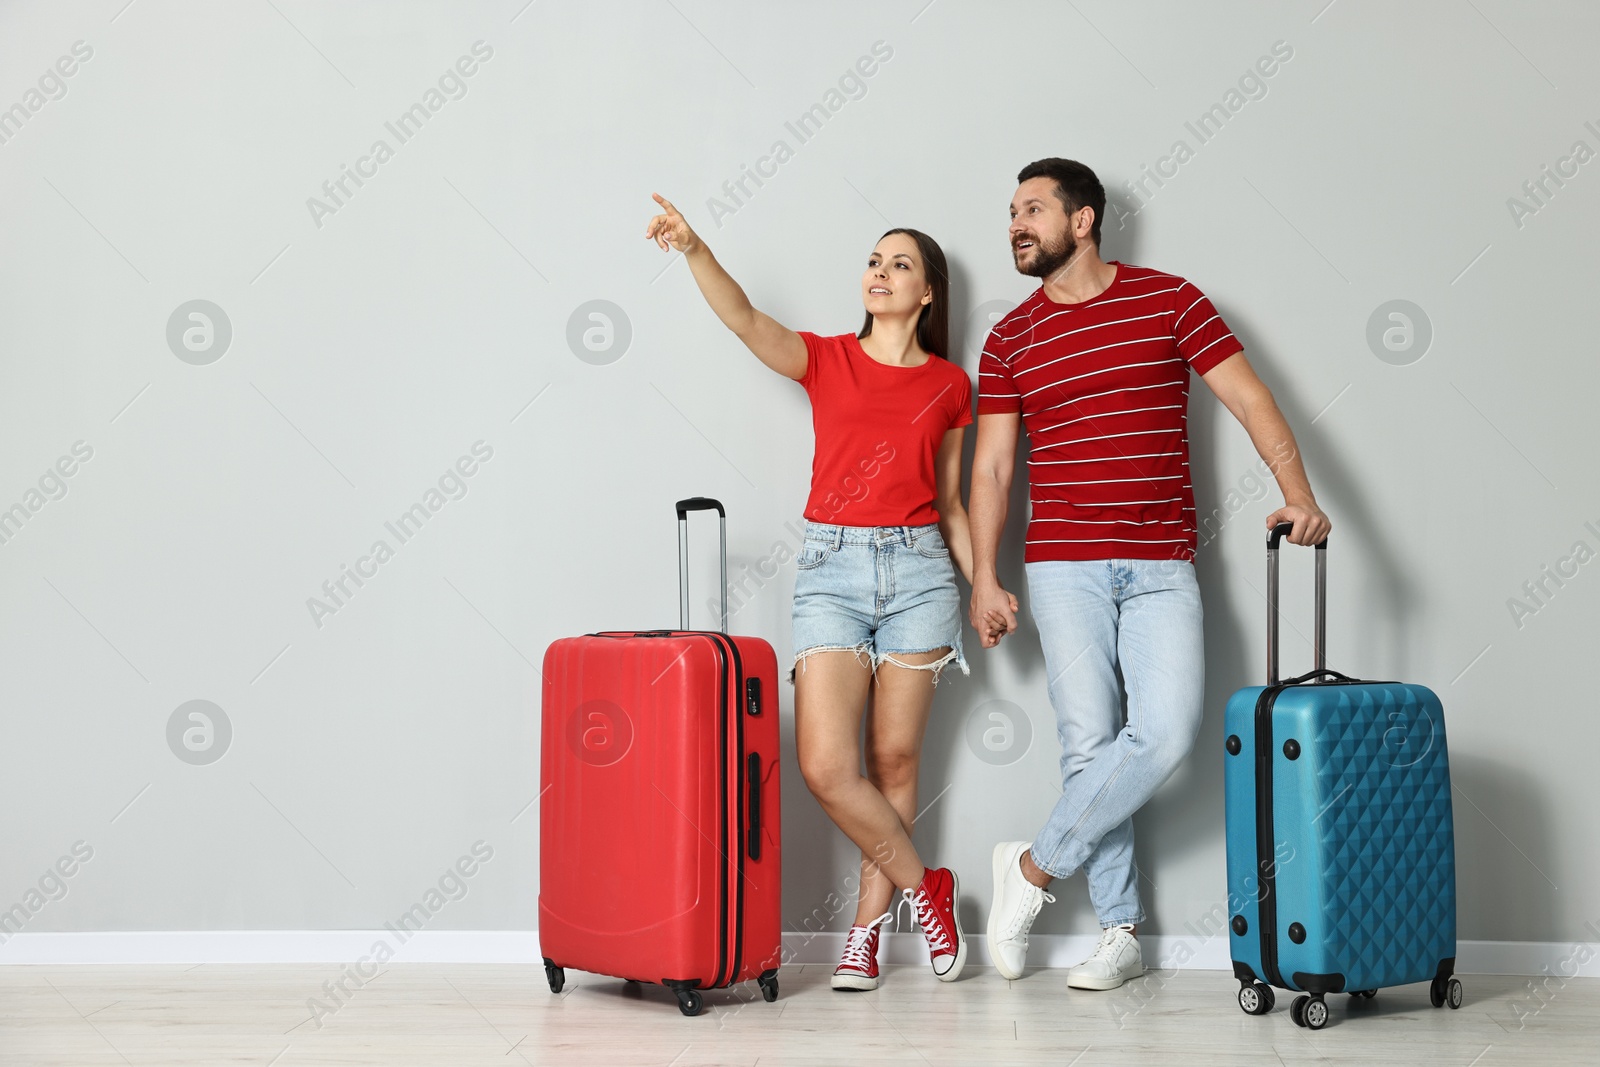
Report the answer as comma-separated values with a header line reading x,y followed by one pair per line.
x,y
1504,886
1387,588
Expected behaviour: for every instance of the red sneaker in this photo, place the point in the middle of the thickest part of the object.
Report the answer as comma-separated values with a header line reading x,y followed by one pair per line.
x,y
858,966
934,903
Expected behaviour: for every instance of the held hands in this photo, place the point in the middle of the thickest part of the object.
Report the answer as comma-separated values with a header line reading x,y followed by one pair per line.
x,y
670,229
993,614
1311,526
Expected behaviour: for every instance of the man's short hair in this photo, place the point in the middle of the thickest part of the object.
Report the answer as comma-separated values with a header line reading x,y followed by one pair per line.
x,y
1076,185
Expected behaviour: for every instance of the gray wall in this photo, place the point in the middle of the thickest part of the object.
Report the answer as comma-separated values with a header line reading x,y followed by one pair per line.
x,y
375,345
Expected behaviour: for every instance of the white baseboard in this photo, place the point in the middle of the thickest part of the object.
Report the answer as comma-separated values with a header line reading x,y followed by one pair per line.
x,y
271,946
1164,951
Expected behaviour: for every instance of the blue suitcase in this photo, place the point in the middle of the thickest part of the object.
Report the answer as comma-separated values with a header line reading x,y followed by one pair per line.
x,y
1341,849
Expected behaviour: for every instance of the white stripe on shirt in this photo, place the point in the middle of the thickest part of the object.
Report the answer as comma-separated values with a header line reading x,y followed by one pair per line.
x,y
1108,503
1197,329
1107,370
1080,329
1127,540
1064,311
1224,337
1109,481
1100,459
1111,522
1090,396
1107,415
1109,436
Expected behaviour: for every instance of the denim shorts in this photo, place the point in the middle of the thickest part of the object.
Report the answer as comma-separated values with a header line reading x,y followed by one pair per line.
x,y
877,591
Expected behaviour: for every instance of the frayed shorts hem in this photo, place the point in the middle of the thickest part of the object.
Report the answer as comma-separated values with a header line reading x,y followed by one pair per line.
x,y
874,658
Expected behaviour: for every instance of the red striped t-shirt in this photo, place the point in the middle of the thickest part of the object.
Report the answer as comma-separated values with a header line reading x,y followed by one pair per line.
x,y
1103,388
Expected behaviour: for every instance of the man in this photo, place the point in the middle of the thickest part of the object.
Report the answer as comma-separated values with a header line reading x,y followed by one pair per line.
x,y
1095,365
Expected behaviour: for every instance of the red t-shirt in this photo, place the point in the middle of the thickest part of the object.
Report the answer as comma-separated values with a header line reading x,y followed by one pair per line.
x,y
1103,388
878,430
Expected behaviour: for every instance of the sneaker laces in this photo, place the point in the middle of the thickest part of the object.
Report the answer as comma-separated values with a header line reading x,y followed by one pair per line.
x,y
1023,917
1110,944
927,917
861,943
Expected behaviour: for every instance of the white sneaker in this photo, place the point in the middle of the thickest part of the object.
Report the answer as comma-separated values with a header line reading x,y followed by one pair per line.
x,y
1016,902
1115,961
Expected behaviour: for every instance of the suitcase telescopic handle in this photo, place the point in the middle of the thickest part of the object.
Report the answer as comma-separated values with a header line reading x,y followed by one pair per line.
x,y
699,503
1320,643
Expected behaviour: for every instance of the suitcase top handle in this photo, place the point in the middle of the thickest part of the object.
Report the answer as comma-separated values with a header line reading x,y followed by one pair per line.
x,y
1320,644
699,503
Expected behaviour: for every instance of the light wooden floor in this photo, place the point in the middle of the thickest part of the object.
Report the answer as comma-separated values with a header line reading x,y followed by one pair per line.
x,y
450,1015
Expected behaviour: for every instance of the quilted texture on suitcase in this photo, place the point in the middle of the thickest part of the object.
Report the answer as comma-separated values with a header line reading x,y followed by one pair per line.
x,y
1386,840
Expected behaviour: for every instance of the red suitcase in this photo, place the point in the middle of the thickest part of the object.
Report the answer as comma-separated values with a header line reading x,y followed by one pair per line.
x,y
658,819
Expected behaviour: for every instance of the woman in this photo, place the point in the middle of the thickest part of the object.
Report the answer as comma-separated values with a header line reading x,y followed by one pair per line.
x,y
876,609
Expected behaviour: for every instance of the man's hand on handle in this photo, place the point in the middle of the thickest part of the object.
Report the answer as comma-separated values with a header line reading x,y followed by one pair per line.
x,y
1311,526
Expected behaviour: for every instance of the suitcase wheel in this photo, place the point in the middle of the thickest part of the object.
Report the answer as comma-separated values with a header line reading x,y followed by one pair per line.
x,y
769,986
1445,992
1255,998
689,1001
554,975
1309,1012
1364,994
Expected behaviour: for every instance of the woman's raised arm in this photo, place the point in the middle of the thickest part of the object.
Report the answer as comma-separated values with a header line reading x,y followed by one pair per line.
x,y
773,343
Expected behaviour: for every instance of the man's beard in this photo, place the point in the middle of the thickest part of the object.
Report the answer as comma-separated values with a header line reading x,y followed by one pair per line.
x,y
1047,258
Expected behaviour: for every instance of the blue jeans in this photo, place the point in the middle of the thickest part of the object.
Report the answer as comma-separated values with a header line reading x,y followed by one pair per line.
x,y
1094,616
